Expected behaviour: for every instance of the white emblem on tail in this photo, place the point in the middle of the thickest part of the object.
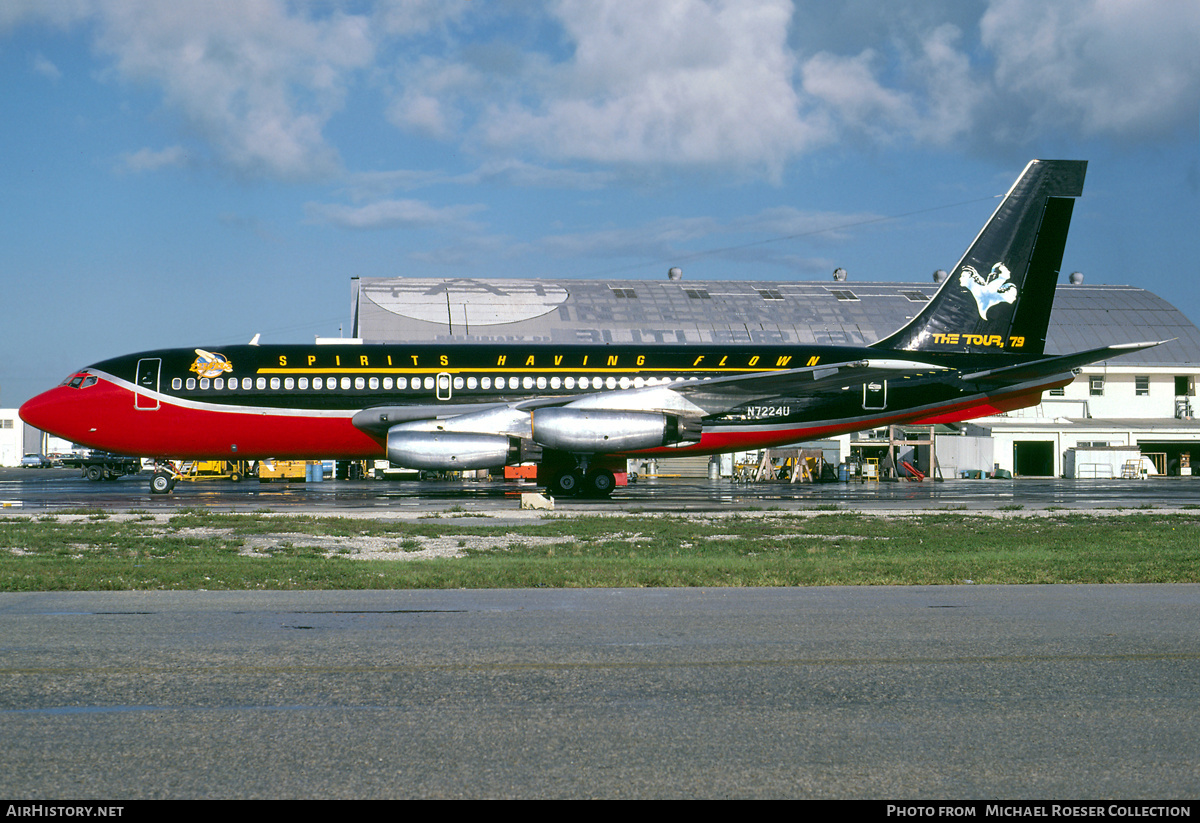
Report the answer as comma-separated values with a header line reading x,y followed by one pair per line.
x,y
990,290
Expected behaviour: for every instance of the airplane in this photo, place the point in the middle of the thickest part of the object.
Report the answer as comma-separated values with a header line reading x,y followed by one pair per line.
x,y
579,411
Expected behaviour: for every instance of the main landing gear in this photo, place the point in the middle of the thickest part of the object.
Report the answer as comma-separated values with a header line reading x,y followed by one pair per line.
x,y
573,477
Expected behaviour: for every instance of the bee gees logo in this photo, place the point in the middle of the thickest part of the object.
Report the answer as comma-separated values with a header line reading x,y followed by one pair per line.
x,y
990,290
210,364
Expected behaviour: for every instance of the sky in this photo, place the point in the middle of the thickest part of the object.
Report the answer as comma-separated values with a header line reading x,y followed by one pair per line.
x,y
195,173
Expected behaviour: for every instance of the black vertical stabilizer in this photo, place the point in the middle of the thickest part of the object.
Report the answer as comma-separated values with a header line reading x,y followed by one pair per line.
x,y
998,298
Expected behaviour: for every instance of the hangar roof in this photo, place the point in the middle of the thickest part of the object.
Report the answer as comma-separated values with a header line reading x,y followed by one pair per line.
x,y
732,311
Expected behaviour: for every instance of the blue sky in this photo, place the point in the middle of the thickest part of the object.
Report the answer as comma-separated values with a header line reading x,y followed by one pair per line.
x,y
193,173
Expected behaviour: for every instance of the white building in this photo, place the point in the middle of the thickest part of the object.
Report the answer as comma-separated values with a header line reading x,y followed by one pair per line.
x,y
12,438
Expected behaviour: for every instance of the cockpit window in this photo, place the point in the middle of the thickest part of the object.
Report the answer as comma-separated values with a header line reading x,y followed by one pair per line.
x,y
81,380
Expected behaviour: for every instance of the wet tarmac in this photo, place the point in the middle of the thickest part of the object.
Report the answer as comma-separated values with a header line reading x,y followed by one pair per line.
x,y
51,489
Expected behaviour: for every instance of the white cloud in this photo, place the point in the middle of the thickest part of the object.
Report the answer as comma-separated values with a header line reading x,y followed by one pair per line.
x,y
754,237
679,82
932,97
1102,67
849,86
785,222
388,214
407,17
255,81
58,13
424,105
476,252
660,239
584,92
46,68
150,160
520,174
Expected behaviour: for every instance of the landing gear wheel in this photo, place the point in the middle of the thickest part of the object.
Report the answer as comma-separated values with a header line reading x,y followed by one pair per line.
x,y
601,483
566,484
161,483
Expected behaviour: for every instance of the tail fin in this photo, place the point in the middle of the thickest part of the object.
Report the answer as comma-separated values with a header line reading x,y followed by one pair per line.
x,y
998,297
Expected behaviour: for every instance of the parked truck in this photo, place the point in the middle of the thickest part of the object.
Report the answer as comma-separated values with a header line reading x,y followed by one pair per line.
x,y
98,465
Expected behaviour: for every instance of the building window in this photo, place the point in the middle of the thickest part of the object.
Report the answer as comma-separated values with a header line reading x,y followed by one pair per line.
x,y
1097,385
1141,386
770,294
697,294
1059,392
628,294
845,295
914,296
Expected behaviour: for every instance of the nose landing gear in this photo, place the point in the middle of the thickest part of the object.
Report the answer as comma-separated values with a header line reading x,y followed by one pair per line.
x,y
162,481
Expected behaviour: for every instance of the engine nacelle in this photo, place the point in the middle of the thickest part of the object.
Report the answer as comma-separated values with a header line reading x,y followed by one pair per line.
x,y
603,431
448,451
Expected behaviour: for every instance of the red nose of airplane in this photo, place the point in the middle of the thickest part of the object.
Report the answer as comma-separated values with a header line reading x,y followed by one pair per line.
x,y
55,412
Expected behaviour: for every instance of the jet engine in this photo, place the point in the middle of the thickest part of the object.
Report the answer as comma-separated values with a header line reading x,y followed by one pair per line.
x,y
455,451
601,431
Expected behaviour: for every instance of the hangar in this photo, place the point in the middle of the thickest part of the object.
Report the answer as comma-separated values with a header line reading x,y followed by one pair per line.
x,y
1138,403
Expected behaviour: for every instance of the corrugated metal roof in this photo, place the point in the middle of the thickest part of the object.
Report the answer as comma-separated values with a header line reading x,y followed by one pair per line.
x,y
733,311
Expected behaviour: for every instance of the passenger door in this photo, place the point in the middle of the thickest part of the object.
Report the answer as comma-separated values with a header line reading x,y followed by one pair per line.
x,y
146,396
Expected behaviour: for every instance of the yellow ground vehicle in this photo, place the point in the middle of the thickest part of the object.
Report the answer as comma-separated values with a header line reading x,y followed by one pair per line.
x,y
288,471
199,470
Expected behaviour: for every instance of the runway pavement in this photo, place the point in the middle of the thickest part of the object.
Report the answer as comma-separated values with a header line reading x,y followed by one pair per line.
x,y
38,490
975,692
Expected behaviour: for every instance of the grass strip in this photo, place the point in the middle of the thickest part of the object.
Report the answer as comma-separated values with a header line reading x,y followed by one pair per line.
x,y
200,550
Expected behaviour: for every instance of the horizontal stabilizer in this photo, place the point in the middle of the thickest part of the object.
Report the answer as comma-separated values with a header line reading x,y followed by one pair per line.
x,y
1057,365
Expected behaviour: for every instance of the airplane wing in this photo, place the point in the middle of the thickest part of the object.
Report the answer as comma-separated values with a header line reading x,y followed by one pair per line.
x,y
696,396
635,418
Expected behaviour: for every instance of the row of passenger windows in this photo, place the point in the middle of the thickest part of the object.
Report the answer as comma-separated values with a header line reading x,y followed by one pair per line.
x,y
417,383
